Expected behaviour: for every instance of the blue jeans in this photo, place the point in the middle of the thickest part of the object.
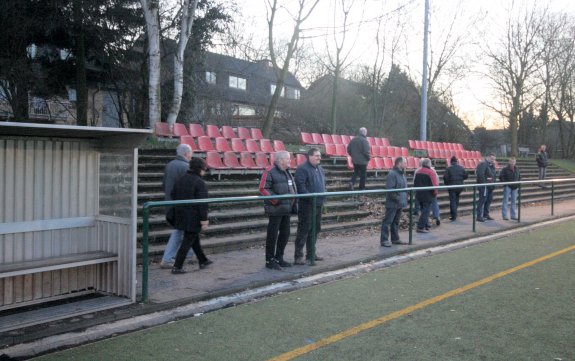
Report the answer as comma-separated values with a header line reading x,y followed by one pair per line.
x,y
507,191
173,245
424,215
389,224
435,209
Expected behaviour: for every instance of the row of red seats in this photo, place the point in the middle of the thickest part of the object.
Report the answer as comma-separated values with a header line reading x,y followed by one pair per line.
x,y
205,144
386,163
464,154
340,150
325,139
195,130
427,145
246,160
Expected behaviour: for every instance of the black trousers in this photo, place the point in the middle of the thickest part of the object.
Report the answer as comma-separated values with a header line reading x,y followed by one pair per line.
x,y
454,202
361,171
484,202
191,239
304,234
277,237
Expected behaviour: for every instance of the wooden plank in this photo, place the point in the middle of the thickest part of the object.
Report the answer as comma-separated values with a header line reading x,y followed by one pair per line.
x,y
46,224
56,263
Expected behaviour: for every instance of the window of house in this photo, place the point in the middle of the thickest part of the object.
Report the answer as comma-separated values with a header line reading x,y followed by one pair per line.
x,y
211,77
244,110
273,90
238,82
292,93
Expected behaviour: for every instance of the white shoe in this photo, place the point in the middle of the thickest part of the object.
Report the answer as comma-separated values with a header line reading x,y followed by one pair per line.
x,y
166,265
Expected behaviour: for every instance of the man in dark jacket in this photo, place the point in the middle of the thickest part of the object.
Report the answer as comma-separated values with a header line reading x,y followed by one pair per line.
x,y
542,161
309,178
394,204
455,174
277,180
191,219
174,170
510,174
425,177
359,150
485,173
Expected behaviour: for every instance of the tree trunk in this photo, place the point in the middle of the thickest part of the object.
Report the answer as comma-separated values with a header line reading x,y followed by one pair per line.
x,y
80,55
513,128
150,8
270,114
334,100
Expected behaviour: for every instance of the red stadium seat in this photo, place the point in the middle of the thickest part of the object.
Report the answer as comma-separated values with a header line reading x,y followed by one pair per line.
x,y
222,145
317,139
180,130
404,152
266,146
162,129
238,145
411,163
231,161
205,144
189,140
418,145
441,146
431,153
345,139
256,133
228,132
300,158
330,150
371,164
384,151
327,139
247,161
252,146
213,131
385,142
371,141
306,138
336,138
349,163
341,150
262,160
375,151
214,161
388,163
412,144
379,163
279,145
196,130
378,141
244,133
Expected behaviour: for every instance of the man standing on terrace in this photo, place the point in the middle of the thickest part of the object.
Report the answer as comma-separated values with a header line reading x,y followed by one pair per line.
x,y
485,173
394,203
309,178
359,150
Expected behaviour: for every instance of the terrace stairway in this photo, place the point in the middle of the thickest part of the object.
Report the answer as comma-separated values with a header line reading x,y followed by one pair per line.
x,y
243,224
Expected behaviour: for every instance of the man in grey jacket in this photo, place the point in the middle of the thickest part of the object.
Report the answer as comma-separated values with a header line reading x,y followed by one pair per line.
x,y
174,170
359,150
394,204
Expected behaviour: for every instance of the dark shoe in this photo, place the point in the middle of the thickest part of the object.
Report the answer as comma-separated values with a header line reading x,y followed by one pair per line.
x,y
166,265
422,230
479,219
178,271
438,222
399,242
205,264
514,218
299,261
489,218
452,219
273,264
283,263
385,244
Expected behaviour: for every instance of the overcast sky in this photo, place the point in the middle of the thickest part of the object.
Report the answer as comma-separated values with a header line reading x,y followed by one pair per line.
x,y
363,23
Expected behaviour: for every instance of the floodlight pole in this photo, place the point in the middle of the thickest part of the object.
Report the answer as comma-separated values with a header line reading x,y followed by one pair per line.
x,y
423,117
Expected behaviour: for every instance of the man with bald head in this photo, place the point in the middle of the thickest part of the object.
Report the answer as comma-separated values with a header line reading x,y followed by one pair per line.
x,y
359,150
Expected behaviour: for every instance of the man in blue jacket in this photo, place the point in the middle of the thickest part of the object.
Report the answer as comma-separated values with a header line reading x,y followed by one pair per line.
x,y
309,178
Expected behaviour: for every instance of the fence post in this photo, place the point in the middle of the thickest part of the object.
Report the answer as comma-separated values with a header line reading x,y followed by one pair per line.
x,y
474,212
519,204
552,198
411,216
313,228
146,217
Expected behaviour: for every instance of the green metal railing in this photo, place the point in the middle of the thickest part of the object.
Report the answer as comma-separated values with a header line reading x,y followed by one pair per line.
x,y
148,205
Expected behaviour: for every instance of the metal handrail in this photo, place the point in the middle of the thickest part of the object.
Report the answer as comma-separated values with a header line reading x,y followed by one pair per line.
x,y
154,204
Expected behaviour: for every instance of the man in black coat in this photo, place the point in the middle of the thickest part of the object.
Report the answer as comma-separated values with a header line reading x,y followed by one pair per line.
x,y
542,161
192,219
395,202
425,177
455,174
485,173
510,174
309,178
359,150
277,180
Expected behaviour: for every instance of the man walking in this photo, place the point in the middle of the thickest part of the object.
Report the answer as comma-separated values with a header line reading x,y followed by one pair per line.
x,y
455,174
174,170
510,174
359,150
394,204
309,178
277,180
425,177
542,160
485,173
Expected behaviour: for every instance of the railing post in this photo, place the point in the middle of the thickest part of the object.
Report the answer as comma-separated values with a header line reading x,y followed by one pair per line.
x,y
552,198
411,216
313,228
474,212
519,204
146,219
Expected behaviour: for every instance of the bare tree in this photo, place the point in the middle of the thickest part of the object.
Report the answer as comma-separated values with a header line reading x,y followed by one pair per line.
x,y
514,64
281,71
151,9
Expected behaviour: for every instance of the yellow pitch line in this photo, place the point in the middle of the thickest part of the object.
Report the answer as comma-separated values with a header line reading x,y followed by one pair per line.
x,y
391,316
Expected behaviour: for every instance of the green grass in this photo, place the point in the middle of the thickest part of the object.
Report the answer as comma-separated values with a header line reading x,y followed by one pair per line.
x,y
565,163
